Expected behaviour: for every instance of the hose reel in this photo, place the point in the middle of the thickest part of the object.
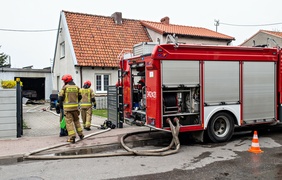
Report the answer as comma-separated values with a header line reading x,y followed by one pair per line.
x,y
170,103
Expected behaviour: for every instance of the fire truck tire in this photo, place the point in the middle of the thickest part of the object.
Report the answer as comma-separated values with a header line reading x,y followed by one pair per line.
x,y
221,127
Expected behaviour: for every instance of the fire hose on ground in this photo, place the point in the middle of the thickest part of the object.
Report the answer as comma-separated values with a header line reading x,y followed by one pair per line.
x,y
173,147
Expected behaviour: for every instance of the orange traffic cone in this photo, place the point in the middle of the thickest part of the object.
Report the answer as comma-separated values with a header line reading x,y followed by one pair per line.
x,y
255,144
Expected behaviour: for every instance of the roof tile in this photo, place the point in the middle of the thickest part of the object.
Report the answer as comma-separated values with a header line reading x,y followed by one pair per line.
x,y
275,33
185,30
98,40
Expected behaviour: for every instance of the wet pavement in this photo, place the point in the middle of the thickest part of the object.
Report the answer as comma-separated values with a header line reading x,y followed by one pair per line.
x,y
43,131
229,160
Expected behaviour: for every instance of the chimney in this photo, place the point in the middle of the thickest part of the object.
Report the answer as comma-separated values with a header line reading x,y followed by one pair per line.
x,y
165,20
117,17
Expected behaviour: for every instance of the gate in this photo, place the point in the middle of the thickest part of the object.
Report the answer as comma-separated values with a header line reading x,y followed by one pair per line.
x,y
112,102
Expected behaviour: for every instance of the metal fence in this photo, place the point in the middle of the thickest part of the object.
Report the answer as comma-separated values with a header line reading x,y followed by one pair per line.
x,y
101,102
112,105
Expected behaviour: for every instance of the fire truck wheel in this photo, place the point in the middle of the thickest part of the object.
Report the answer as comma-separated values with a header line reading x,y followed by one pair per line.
x,y
221,127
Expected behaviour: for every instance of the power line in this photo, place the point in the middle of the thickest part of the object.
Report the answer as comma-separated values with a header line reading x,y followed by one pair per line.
x,y
22,30
271,24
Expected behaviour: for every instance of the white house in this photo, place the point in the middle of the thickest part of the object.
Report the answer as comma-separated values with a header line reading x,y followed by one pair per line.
x,y
264,38
89,46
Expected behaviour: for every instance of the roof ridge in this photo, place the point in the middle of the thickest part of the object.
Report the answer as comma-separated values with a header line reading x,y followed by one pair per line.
x,y
172,24
88,14
272,32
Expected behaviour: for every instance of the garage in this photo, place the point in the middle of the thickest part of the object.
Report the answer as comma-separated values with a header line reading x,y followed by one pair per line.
x,y
37,83
33,88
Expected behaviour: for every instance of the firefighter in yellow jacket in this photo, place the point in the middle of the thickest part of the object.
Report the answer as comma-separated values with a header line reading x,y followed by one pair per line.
x,y
69,98
88,98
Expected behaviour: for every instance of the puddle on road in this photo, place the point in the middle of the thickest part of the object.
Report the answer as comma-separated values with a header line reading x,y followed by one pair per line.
x,y
105,150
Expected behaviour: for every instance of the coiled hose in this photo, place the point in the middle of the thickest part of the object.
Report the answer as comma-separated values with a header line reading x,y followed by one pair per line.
x,y
156,152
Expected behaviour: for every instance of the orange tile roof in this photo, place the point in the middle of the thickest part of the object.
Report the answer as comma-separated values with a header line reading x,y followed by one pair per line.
x,y
97,40
185,30
274,33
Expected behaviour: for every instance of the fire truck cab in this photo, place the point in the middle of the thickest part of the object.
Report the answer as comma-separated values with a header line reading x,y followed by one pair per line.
x,y
210,89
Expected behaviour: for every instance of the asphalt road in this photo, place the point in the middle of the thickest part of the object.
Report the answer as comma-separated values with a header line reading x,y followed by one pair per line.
x,y
230,160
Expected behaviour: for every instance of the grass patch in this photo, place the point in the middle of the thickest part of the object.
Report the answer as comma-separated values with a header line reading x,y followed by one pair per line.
x,y
25,125
100,112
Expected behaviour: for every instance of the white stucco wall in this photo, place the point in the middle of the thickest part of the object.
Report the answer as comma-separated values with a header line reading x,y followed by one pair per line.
x,y
155,36
90,74
204,41
64,65
261,38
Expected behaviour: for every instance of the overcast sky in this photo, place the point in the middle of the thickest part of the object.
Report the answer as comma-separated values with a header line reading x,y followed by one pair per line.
x,y
37,48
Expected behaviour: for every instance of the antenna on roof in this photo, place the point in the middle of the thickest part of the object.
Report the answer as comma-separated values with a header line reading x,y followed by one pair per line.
x,y
216,23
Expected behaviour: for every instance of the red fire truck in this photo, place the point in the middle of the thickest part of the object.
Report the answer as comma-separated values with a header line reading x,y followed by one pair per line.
x,y
210,89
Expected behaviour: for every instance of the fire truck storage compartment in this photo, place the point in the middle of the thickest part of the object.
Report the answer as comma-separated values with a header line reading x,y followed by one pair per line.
x,y
221,85
180,91
138,92
259,91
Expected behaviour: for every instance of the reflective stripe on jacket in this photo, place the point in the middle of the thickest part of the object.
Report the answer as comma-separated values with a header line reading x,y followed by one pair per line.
x,y
70,94
86,94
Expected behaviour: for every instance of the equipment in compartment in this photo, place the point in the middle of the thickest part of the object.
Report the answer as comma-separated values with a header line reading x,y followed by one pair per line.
x,y
181,103
170,103
185,100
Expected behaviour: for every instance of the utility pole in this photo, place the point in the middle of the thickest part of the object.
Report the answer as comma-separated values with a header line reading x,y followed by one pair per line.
x,y
216,23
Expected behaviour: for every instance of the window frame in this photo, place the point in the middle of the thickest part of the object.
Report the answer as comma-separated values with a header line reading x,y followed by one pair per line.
x,y
103,90
62,50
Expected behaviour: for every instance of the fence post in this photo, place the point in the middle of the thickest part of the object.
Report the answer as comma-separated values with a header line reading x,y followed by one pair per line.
x,y
19,109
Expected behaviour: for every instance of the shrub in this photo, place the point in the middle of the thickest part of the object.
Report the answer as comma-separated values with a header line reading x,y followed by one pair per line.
x,y
9,84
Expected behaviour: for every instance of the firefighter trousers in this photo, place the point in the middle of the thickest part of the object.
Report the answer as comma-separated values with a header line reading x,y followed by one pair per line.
x,y
72,123
86,116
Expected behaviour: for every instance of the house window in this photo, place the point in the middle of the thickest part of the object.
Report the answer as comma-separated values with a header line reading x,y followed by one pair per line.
x,y
102,82
62,47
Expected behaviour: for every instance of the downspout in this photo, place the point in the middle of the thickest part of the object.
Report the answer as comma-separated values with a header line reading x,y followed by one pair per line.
x,y
80,76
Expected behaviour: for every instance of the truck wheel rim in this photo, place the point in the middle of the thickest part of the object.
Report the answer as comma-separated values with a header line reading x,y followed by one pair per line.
x,y
221,126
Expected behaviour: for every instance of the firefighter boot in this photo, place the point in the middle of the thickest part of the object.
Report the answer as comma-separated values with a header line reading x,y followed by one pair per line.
x,y
81,136
63,132
87,128
71,139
